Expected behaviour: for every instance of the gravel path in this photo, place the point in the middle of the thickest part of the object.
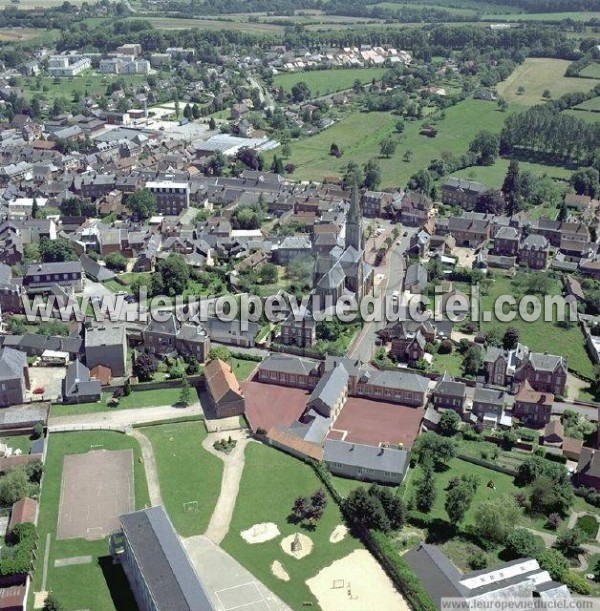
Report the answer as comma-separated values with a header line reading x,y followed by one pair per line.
x,y
149,467
220,520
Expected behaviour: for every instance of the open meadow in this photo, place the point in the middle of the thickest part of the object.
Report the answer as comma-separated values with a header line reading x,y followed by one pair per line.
x,y
322,82
535,76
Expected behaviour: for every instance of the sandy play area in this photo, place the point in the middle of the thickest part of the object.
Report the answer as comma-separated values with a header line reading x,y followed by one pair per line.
x,y
306,546
338,534
259,533
278,571
355,583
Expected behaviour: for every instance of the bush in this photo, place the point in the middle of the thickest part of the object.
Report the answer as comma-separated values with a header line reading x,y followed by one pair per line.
x,y
446,347
554,521
38,430
478,559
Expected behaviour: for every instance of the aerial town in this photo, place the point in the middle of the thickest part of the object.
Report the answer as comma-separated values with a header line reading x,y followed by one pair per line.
x,y
299,305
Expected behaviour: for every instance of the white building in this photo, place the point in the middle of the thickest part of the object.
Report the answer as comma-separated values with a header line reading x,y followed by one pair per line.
x,y
68,65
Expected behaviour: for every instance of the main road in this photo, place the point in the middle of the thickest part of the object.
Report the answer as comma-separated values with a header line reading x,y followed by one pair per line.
x,y
363,346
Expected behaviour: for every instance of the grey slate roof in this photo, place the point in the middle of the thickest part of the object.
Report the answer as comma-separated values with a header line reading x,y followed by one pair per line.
x,y
77,382
489,396
395,379
164,564
12,363
546,362
330,386
392,460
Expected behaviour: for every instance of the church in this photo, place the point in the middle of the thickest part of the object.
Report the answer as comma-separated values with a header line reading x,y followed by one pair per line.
x,y
343,270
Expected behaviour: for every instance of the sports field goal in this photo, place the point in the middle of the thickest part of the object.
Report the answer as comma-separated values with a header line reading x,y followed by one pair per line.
x,y
96,446
190,507
338,584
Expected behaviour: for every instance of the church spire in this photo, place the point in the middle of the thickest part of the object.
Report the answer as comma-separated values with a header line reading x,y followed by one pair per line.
x,y
354,222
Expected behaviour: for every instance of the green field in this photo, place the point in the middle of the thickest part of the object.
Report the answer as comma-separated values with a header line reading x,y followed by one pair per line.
x,y
358,135
270,484
493,175
591,71
187,472
136,400
86,83
243,368
592,105
177,23
87,586
565,342
574,15
537,75
322,82
504,487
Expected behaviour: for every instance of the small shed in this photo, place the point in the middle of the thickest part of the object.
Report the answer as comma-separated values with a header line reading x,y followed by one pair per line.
x,y
55,357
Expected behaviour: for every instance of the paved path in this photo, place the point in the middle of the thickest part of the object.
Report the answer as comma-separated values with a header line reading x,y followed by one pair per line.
x,y
220,520
149,467
550,540
121,418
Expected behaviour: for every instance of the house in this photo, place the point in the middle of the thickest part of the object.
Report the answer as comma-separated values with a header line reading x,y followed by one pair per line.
x,y
500,364
415,279
415,209
544,372
301,333
168,337
366,462
506,242
462,192
78,385
408,342
573,288
156,564
554,433
14,377
488,404
571,448
102,374
231,332
224,392
533,408
107,345
374,203
533,252
42,277
588,468
287,370
330,393
449,394
520,579
468,230
171,197
22,512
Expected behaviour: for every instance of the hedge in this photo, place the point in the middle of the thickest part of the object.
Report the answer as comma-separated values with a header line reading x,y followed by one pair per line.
x,y
555,457
17,559
591,495
246,356
487,464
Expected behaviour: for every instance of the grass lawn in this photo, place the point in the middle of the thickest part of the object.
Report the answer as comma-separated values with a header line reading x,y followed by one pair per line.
x,y
176,23
243,368
452,363
270,484
358,136
493,175
588,525
574,15
504,487
187,472
20,442
566,342
536,75
88,81
136,400
322,82
591,71
98,585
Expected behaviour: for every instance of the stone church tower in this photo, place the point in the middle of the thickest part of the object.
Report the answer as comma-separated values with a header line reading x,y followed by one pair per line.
x,y
354,235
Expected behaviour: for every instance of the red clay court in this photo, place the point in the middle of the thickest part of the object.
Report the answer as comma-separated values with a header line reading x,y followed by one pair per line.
x,y
375,422
96,488
269,405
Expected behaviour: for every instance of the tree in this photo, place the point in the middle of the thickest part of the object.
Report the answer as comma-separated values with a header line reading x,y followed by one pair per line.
x,y
491,202
569,541
487,146
300,92
142,203
353,175
144,367
127,388
408,155
434,449
372,175
472,360
220,352
35,208
387,147
269,274
549,494
449,423
400,126
426,493
421,181
187,112
510,339
277,165
52,603
522,543
56,251
212,124
495,519
13,486
511,188
366,510
586,181
250,158
116,261
196,114
334,150
172,275
563,212
185,396
458,501
393,506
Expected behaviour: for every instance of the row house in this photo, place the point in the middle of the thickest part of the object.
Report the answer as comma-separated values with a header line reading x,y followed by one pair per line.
x,y
286,370
415,209
534,252
462,192
500,364
169,337
554,231
449,394
375,203
470,232
544,372
533,408
302,333
506,242
43,277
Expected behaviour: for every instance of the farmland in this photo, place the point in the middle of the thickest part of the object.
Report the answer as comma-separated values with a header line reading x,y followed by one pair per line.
x,y
536,75
358,135
591,71
573,15
322,82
